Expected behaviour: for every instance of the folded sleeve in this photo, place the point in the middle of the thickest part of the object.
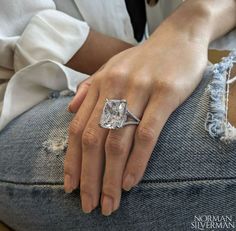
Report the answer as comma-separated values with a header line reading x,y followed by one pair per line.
x,y
50,35
226,42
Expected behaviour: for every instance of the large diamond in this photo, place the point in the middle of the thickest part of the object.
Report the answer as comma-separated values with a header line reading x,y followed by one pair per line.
x,y
114,114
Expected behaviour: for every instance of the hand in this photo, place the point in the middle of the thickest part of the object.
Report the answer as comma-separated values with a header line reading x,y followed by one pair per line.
x,y
154,78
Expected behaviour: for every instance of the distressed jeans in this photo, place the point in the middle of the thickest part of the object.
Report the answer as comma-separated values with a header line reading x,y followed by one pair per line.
x,y
189,183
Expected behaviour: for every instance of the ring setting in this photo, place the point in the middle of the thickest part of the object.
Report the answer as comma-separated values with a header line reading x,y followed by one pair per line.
x,y
116,114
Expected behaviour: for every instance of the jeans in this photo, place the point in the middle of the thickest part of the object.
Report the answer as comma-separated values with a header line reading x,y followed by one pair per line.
x,y
191,177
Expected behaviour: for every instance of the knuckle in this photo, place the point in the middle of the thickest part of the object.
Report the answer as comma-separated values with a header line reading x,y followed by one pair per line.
x,y
97,78
112,81
138,84
139,168
117,72
170,91
110,189
114,145
145,134
166,86
75,128
90,138
136,166
84,84
115,76
86,187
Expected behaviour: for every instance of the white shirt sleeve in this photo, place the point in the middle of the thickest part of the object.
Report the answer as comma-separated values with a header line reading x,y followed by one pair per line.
x,y
51,34
48,42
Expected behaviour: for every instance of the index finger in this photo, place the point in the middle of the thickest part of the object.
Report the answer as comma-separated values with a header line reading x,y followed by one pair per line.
x,y
73,158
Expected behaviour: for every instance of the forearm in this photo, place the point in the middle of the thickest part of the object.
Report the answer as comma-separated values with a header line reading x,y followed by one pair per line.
x,y
95,52
201,20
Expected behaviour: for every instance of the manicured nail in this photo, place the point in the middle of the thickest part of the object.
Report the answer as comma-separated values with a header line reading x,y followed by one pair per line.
x,y
68,184
86,202
107,205
68,108
128,182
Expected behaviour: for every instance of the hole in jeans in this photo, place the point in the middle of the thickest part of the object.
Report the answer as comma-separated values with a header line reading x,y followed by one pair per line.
x,y
220,121
55,145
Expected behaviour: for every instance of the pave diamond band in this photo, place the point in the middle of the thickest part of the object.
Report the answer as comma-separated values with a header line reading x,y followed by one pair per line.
x,y
116,114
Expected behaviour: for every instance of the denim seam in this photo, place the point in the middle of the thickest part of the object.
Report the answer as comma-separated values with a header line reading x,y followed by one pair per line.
x,y
141,182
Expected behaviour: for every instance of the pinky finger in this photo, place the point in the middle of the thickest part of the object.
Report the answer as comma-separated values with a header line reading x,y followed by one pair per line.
x,y
146,136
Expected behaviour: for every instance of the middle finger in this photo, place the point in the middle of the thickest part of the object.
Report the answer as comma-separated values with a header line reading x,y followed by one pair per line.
x,y
117,149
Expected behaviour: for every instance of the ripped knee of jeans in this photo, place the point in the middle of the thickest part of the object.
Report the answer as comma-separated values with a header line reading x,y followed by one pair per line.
x,y
56,145
220,119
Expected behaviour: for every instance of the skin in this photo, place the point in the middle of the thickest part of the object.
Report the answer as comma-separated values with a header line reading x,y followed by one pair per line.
x,y
154,78
95,52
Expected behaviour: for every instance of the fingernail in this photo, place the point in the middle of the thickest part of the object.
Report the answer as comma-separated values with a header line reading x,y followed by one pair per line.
x,y
86,202
128,182
68,184
68,108
107,205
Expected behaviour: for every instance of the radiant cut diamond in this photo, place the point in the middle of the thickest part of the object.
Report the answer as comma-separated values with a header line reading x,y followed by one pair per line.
x,y
114,114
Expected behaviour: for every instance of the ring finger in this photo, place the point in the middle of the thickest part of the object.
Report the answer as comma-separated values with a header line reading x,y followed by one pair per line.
x,y
117,148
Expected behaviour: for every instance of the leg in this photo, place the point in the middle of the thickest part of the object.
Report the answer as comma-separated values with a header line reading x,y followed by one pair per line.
x,y
189,174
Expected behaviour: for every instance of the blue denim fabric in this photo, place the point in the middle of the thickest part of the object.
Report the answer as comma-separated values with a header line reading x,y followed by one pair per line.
x,y
189,174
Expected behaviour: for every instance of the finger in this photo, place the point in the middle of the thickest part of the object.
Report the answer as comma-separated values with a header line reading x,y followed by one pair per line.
x,y
72,164
147,133
117,147
93,140
80,95
81,92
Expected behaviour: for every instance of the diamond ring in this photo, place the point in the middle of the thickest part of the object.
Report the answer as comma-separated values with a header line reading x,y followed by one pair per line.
x,y
115,114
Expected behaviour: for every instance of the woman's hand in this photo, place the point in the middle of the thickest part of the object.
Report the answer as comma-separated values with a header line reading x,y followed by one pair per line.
x,y
154,78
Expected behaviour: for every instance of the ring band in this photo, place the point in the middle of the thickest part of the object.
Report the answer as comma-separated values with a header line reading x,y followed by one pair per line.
x,y
115,115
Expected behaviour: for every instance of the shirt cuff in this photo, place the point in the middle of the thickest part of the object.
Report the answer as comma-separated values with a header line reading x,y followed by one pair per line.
x,y
51,35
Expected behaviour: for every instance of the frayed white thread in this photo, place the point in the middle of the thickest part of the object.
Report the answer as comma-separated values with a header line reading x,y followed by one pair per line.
x,y
229,134
55,145
232,80
217,119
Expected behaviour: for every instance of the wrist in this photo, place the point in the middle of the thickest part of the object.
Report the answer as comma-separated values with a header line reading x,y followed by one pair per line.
x,y
193,20
201,21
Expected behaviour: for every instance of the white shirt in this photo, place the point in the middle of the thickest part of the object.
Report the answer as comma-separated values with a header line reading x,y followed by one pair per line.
x,y
37,39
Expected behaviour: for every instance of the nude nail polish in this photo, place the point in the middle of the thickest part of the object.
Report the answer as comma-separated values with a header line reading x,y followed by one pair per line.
x,y
128,182
68,108
68,184
107,205
87,203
